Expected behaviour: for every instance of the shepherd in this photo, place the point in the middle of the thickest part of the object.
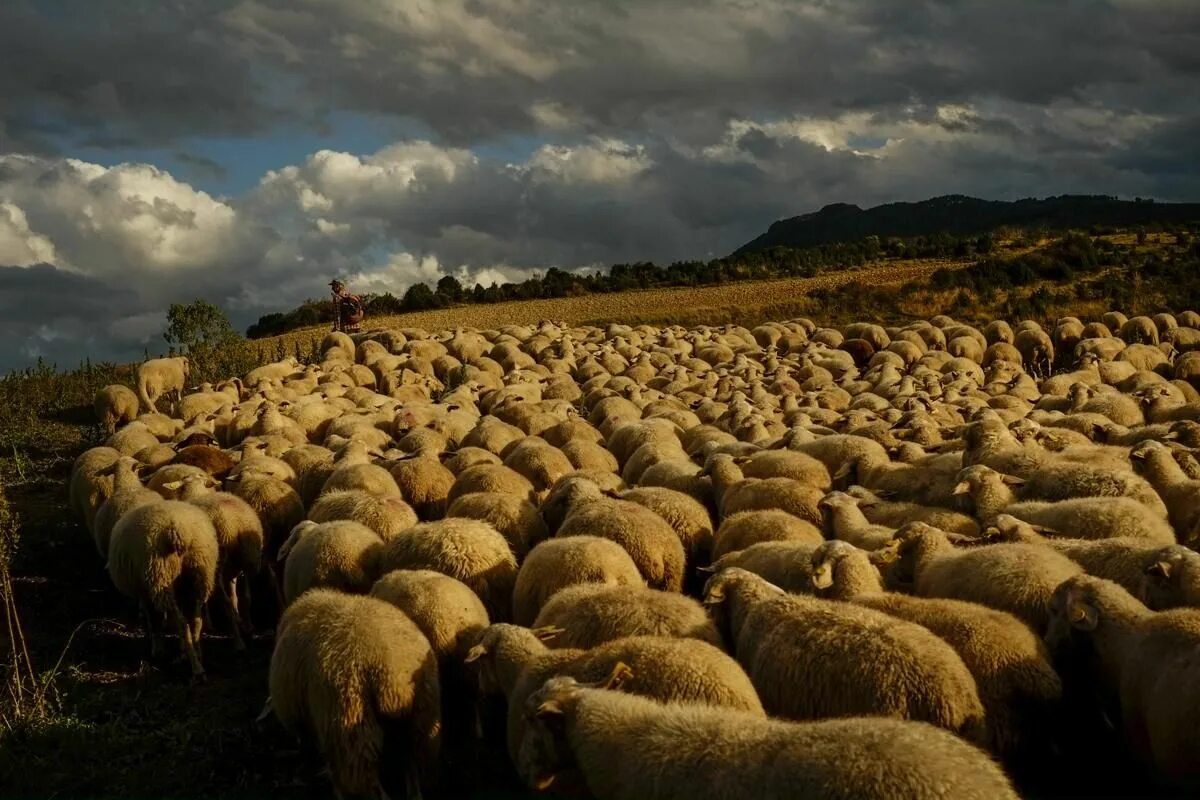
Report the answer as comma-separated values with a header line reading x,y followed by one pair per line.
x,y
348,309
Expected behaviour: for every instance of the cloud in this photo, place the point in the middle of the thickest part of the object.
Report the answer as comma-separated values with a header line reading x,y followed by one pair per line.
x,y
572,134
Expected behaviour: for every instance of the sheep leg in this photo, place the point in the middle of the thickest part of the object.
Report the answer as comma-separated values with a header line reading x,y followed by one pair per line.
x,y
197,624
153,633
185,637
229,596
412,783
245,599
273,576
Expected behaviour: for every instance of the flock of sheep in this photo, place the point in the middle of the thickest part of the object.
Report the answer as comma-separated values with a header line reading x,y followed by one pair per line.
x,y
791,561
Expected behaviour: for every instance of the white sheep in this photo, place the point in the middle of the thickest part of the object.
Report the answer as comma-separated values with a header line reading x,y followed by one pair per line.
x,y
165,556
161,376
344,671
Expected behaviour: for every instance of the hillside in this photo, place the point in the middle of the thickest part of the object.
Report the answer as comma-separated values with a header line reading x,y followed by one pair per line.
x,y
958,215
729,302
836,238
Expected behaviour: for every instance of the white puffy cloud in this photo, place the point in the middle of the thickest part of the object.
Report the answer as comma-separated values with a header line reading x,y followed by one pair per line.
x,y
19,246
132,221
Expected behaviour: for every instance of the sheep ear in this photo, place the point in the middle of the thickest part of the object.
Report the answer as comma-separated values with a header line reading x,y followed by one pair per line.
x,y
549,710
964,487
1083,616
885,555
1013,480
708,569
547,633
714,597
171,486
620,674
1161,569
475,653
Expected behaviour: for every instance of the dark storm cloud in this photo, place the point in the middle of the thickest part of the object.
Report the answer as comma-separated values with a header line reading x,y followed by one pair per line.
x,y
473,69
62,316
122,74
572,134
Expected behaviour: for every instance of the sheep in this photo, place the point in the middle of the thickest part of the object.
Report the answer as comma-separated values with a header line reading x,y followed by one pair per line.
x,y
341,554
795,650
591,614
588,455
787,464
130,439
650,541
614,742
216,462
115,406
1014,577
469,550
1171,578
278,507
87,489
491,478
1139,330
1018,687
386,516
165,556
844,520
1153,460
1141,663
747,528
840,571
1050,476
835,451
465,457
359,677
516,662
365,477
894,514
1084,517
424,483
687,516
1037,350
1159,576
558,563
735,493
161,376
786,564
539,462
239,542
127,494
514,517
256,462
446,610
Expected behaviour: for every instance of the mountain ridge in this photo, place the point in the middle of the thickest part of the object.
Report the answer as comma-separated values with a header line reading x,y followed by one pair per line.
x,y
959,214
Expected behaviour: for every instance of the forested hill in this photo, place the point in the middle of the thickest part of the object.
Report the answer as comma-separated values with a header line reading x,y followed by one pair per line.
x,y
960,215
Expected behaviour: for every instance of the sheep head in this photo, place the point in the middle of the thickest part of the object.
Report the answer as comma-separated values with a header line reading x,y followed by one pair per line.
x,y
826,559
1170,577
545,759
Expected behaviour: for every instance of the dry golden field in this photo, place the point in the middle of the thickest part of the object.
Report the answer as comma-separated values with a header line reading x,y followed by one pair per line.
x,y
712,304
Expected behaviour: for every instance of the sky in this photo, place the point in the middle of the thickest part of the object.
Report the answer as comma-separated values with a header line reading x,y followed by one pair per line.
x,y
246,151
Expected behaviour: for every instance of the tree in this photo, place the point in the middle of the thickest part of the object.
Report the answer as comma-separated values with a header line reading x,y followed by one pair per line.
x,y
197,325
418,298
450,287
